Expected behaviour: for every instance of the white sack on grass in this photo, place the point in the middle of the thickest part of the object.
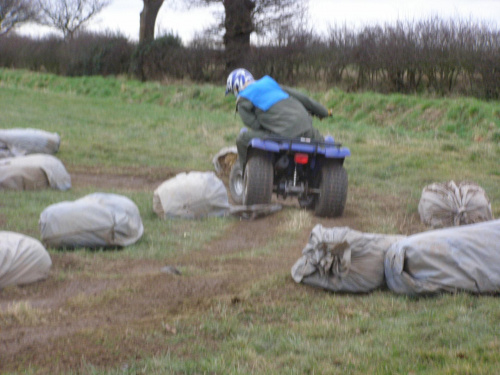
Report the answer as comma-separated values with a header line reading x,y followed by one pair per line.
x,y
18,142
465,258
341,259
33,172
191,195
23,260
96,220
449,204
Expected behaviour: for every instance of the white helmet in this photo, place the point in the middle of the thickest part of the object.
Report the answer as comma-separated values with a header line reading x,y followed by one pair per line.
x,y
238,79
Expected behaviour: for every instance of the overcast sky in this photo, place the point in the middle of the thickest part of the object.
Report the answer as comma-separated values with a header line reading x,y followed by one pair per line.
x,y
123,15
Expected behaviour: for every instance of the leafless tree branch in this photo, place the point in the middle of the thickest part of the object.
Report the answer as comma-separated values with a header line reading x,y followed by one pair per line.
x,y
69,16
16,12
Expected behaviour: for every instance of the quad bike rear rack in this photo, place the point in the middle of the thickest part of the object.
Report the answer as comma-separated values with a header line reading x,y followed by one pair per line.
x,y
277,144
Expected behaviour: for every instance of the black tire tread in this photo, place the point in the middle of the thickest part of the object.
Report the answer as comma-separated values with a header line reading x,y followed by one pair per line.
x,y
258,178
333,190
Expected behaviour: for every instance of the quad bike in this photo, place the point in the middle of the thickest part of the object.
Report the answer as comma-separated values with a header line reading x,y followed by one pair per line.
x,y
310,170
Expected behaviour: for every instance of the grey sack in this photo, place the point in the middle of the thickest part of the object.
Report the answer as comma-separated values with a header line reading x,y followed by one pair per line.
x,y
465,258
341,259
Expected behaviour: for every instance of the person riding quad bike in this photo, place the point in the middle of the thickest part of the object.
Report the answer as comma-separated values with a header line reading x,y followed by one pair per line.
x,y
268,108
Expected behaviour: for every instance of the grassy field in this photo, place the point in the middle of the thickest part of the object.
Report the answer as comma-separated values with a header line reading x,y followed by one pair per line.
x,y
240,311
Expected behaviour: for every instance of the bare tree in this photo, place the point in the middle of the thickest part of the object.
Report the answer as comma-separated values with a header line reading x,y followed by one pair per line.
x,y
275,20
15,12
69,16
241,18
148,19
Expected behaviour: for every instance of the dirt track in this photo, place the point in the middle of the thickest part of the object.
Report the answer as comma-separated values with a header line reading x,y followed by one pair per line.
x,y
72,329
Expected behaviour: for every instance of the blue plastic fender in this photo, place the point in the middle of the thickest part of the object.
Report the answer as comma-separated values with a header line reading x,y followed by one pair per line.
x,y
328,148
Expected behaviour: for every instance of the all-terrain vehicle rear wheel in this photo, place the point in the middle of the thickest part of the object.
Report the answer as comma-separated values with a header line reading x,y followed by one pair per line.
x,y
258,178
332,189
236,186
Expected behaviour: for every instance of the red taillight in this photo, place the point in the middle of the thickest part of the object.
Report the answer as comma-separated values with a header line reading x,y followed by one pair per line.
x,y
301,158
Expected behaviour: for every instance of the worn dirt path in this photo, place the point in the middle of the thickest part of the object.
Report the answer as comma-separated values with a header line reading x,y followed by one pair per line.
x,y
80,313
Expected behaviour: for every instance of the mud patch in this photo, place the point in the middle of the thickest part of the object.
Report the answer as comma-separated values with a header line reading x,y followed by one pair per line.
x,y
132,179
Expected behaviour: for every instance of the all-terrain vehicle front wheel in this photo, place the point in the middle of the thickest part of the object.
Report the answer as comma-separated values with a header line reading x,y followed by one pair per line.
x,y
236,186
258,178
332,189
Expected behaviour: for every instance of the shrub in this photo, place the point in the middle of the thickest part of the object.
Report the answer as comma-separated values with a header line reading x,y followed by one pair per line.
x,y
97,54
434,56
164,56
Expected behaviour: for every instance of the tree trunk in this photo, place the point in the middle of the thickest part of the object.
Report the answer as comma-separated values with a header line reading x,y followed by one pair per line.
x,y
238,24
148,19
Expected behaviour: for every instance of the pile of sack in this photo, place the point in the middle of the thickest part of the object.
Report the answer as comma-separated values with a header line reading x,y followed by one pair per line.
x,y
98,220
463,258
460,253
27,161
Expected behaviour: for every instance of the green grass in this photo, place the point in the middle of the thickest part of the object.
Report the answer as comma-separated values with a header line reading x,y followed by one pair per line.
x,y
325,333
399,144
